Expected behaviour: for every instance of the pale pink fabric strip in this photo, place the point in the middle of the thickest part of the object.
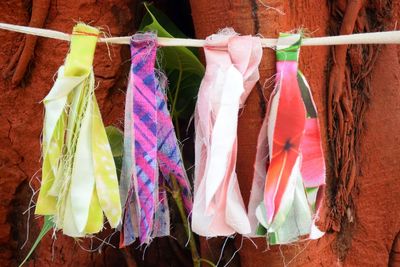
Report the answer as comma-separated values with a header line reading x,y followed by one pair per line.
x,y
231,73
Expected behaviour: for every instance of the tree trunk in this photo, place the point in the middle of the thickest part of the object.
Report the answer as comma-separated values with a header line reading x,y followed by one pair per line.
x,y
21,115
365,232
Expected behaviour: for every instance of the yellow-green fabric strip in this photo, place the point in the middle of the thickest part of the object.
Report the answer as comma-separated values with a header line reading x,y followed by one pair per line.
x,y
83,44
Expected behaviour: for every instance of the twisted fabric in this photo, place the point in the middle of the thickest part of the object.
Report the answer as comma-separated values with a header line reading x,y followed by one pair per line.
x,y
79,179
231,73
150,147
290,139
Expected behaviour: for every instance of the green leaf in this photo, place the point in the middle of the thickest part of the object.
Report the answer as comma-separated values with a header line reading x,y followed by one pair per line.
x,y
186,97
162,19
181,64
261,230
116,140
47,226
118,166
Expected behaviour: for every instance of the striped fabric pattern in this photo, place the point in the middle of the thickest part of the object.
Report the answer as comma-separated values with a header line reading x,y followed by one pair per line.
x,y
169,155
143,49
154,149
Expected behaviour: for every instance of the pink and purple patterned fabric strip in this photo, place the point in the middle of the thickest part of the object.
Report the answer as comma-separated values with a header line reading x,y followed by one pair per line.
x,y
168,152
143,48
152,148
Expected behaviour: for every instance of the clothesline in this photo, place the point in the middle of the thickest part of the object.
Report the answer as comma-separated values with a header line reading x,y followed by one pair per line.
x,y
387,37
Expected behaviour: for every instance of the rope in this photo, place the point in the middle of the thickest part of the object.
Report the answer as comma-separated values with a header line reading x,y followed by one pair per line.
x,y
387,37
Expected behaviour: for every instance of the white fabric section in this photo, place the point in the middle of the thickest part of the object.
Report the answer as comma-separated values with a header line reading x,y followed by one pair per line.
x,y
232,71
315,233
68,224
56,100
224,131
226,92
128,162
261,215
236,215
298,219
202,223
82,179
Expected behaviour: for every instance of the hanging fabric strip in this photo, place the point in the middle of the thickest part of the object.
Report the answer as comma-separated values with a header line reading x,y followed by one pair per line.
x,y
313,168
169,154
296,166
231,73
145,130
79,179
150,148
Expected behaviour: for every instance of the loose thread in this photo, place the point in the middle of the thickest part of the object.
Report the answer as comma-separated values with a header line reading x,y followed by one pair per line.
x,y
234,254
31,205
222,250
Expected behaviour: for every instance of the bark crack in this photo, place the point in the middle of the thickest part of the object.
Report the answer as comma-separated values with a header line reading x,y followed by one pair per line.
x,y
254,16
347,103
20,156
113,77
256,25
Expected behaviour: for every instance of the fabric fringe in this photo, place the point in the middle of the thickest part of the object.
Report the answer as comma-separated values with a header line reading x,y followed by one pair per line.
x,y
79,178
231,73
290,164
150,148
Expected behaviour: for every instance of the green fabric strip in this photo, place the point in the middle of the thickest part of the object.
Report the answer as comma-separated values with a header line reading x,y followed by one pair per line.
x,y
288,52
79,178
83,44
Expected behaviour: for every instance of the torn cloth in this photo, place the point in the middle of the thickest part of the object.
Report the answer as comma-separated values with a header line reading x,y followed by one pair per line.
x,y
290,168
150,148
79,178
231,73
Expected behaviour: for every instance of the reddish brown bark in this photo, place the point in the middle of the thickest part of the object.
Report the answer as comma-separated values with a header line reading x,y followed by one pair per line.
x,y
38,17
369,238
21,116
